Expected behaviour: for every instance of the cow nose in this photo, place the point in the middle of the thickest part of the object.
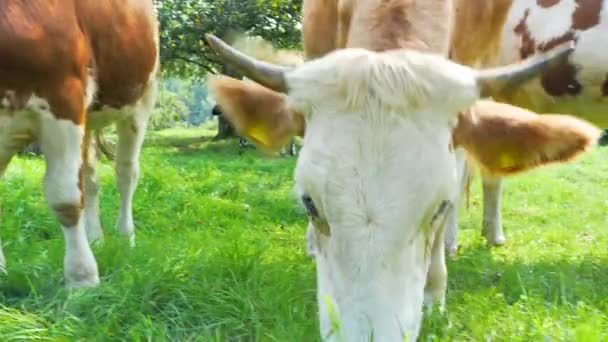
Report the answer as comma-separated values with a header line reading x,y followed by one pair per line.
x,y
308,203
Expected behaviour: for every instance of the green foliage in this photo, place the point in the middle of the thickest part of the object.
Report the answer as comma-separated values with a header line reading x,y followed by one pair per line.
x,y
181,102
220,255
185,22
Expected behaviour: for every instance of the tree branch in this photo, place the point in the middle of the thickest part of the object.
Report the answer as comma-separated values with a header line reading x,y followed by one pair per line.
x,y
191,61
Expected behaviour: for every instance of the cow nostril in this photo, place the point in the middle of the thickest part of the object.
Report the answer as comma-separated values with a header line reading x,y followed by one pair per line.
x,y
310,205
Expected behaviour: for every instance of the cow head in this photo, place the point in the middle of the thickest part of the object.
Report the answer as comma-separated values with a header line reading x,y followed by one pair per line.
x,y
376,171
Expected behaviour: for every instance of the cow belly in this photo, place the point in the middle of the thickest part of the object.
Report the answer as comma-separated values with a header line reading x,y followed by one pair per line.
x,y
18,128
106,116
579,87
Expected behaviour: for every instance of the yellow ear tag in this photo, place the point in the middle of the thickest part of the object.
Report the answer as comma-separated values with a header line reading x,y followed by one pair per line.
x,y
258,134
506,161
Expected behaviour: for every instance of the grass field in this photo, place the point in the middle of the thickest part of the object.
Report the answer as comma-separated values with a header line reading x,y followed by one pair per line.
x,y
220,256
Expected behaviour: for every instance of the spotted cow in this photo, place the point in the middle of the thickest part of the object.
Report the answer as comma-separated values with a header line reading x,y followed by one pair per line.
x,y
67,68
498,32
381,120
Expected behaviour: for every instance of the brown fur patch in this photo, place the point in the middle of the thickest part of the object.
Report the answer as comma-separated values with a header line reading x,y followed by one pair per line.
x,y
547,3
68,214
476,36
46,48
319,27
566,37
258,113
587,14
506,140
605,87
559,80
528,45
392,24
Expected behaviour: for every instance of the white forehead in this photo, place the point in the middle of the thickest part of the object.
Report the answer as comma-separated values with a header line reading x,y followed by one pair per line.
x,y
382,170
378,131
400,80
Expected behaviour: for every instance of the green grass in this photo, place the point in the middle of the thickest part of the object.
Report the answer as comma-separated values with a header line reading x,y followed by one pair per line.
x,y
220,255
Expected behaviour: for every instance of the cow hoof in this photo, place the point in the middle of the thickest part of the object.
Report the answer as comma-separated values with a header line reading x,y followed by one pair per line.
x,y
131,239
81,271
79,282
82,284
432,301
494,234
496,241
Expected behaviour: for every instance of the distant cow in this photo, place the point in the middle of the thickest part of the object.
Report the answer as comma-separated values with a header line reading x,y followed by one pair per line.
x,y
58,60
243,143
497,32
378,203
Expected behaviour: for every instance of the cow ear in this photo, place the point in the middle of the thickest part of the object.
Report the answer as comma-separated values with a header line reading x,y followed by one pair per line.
x,y
257,113
506,140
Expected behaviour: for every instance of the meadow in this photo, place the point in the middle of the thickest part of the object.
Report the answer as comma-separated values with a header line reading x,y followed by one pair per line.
x,y
220,255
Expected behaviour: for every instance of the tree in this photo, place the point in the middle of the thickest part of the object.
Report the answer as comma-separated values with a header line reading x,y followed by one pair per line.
x,y
184,23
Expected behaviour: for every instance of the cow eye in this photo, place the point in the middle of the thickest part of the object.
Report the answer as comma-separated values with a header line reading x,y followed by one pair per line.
x,y
308,203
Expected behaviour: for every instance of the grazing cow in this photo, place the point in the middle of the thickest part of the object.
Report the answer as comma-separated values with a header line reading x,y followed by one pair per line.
x,y
60,60
377,205
495,32
243,143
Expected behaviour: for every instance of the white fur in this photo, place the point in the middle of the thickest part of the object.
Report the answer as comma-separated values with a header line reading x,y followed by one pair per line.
x,y
131,133
492,220
91,88
79,262
561,20
451,234
60,142
91,191
378,183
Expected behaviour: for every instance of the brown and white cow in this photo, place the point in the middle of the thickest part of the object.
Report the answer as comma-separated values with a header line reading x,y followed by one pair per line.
x,y
68,67
377,171
498,32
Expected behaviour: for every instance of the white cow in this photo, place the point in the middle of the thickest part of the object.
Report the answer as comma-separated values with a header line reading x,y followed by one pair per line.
x,y
377,171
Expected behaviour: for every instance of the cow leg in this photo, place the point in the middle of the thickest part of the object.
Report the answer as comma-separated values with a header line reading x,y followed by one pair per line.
x,y
131,133
451,234
61,141
492,221
292,147
2,258
6,154
437,275
15,133
91,191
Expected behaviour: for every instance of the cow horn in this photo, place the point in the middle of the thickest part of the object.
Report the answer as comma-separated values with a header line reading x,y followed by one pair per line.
x,y
495,80
269,75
